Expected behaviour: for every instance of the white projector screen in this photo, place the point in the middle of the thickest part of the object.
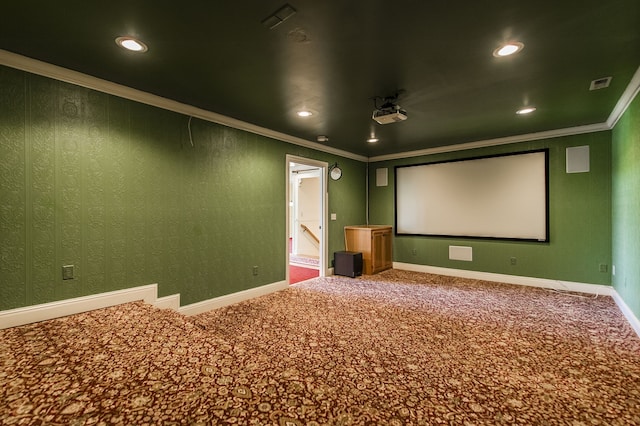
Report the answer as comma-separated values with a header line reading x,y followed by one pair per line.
x,y
502,197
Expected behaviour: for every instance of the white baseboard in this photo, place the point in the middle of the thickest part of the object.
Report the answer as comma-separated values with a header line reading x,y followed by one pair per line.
x,y
147,293
230,299
62,308
510,279
168,302
529,281
627,312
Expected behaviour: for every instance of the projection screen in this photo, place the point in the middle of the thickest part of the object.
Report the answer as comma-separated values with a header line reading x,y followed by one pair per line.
x,y
501,197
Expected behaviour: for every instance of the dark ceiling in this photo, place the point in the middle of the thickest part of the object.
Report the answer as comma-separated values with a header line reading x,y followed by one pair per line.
x,y
334,56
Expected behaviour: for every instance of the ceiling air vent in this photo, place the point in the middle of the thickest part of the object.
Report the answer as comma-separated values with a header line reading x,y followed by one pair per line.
x,y
279,16
600,83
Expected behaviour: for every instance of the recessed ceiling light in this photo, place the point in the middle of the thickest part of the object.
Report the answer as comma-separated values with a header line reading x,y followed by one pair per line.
x,y
508,49
304,113
132,44
526,110
372,140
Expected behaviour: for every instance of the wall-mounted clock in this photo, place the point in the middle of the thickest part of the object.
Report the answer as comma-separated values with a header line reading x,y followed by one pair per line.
x,y
336,172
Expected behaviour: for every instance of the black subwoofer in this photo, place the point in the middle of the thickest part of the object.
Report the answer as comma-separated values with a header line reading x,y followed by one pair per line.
x,y
347,263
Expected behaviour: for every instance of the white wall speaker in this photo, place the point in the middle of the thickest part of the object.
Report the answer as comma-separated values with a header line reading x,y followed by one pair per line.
x,y
382,177
578,159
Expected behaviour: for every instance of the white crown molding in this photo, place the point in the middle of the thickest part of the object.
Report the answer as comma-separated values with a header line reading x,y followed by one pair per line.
x,y
55,72
625,100
621,106
62,74
569,131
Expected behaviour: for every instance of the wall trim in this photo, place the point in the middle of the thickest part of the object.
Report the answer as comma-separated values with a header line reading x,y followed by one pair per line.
x,y
625,100
63,308
627,312
598,289
55,72
146,293
168,302
45,69
47,311
528,137
621,106
230,299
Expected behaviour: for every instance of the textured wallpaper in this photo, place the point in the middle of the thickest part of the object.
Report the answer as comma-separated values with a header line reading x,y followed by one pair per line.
x,y
579,247
626,206
13,175
121,192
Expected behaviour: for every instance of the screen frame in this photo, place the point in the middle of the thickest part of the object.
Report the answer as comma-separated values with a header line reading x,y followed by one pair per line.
x,y
546,238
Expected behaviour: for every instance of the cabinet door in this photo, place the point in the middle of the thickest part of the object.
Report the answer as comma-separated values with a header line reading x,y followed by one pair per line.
x,y
385,248
388,247
381,250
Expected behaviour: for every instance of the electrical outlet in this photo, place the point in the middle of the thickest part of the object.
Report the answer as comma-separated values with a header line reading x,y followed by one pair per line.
x,y
514,261
255,270
604,267
414,252
67,272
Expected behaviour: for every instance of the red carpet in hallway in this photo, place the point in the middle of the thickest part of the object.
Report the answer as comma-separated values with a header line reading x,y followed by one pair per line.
x,y
297,274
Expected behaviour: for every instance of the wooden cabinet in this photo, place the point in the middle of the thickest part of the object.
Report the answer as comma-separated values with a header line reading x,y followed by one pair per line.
x,y
374,242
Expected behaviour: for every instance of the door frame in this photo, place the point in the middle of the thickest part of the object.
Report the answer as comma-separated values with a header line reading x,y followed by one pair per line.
x,y
323,166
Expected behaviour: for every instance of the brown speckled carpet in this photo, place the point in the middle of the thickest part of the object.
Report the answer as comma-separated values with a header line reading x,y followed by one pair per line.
x,y
397,348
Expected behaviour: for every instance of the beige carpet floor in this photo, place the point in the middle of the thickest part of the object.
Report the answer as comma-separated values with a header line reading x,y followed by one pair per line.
x,y
397,348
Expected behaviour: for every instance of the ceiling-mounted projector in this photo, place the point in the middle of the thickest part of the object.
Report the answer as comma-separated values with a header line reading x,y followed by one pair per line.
x,y
388,114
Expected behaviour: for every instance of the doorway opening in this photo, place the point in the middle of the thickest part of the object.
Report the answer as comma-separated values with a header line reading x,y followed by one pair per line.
x,y
306,219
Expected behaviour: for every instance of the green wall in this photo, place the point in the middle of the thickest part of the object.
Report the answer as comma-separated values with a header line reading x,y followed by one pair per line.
x,y
579,210
626,206
116,189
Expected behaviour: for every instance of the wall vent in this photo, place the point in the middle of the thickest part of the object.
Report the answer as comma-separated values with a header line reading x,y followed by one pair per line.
x,y
461,253
600,83
279,16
